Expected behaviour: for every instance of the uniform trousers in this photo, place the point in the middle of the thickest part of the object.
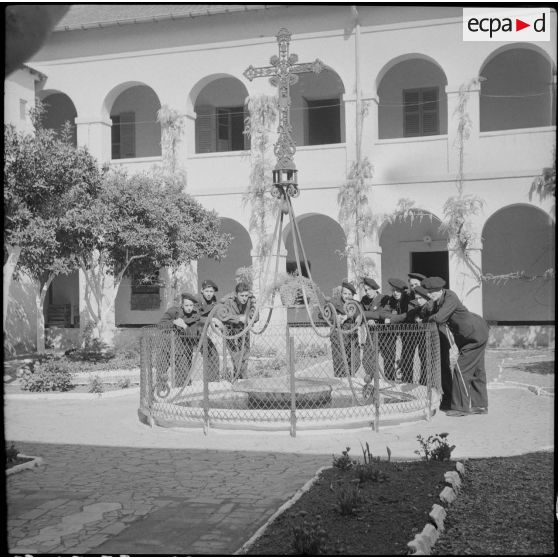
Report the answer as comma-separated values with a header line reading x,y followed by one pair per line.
x,y
352,352
239,350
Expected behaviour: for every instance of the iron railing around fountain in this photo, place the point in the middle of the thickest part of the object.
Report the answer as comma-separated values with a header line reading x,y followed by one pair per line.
x,y
290,376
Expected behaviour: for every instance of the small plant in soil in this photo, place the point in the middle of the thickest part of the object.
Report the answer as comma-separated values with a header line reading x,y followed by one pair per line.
x,y
435,447
124,383
309,538
50,375
344,461
369,472
11,453
347,497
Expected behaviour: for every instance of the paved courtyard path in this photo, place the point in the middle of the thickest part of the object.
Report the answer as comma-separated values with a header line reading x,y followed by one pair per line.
x,y
113,485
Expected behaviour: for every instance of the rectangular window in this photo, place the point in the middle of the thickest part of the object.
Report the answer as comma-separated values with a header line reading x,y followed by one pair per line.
x,y
145,295
324,121
123,135
421,112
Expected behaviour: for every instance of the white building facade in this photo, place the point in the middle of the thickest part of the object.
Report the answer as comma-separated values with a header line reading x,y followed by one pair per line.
x,y
108,69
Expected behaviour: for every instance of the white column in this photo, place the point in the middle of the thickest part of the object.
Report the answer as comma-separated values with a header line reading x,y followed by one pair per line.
x,y
372,251
94,133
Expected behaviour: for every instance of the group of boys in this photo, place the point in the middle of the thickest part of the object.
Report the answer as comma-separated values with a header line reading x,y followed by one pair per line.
x,y
190,319
422,299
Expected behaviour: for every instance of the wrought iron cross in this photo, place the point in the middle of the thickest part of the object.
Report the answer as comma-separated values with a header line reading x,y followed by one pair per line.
x,y
283,71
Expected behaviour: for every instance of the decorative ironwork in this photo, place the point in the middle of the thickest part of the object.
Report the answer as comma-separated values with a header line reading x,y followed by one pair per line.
x,y
282,74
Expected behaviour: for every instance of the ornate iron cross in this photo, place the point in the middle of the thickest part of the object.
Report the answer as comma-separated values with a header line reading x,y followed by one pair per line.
x,y
283,71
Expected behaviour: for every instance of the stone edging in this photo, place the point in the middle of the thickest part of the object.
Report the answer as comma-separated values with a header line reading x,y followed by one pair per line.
x,y
66,395
423,542
246,546
509,384
36,462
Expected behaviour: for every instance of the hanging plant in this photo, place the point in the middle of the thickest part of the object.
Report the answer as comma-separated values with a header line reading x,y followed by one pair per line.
x,y
262,116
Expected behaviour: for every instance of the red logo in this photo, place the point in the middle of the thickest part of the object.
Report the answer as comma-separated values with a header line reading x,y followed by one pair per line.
x,y
519,25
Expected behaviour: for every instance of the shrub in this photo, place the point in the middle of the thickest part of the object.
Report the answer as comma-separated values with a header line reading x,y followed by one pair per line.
x,y
124,383
95,385
309,538
435,447
369,472
50,375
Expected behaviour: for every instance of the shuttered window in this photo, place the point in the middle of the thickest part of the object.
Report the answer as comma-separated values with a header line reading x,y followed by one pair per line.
x,y
220,129
123,135
421,112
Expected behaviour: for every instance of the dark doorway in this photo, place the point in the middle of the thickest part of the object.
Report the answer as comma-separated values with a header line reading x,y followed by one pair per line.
x,y
431,264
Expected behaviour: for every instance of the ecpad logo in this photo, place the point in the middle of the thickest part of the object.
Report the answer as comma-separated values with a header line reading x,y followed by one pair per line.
x,y
506,25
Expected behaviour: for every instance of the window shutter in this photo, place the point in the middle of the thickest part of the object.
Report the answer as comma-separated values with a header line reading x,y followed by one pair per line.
x,y
430,125
205,129
127,135
411,116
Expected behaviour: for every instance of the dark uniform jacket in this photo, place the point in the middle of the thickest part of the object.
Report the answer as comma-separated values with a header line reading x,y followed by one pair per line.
x,y
465,326
205,307
373,306
175,312
392,307
236,310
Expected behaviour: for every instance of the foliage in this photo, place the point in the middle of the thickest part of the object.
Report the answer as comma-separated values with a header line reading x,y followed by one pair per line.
x,y
245,275
262,115
172,129
11,453
311,351
366,472
308,537
544,185
344,461
292,287
435,447
50,375
347,497
96,385
124,383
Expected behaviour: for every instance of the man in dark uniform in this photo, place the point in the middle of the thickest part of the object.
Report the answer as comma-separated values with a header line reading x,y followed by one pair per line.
x,y
206,302
372,303
184,320
470,332
413,339
395,304
350,340
241,310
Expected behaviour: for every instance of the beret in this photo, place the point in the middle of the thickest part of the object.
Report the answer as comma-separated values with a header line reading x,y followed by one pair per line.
x,y
189,296
421,291
397,284
371,283
350,286
418,276
209,283
433,283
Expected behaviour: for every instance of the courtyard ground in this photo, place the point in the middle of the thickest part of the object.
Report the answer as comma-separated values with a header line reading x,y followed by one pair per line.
x,y
113,485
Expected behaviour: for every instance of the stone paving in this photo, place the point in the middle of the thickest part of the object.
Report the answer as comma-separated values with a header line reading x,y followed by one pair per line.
x,y
116,486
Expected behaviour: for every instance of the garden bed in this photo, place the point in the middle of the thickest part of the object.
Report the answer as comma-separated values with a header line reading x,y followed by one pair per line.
x,y
391,510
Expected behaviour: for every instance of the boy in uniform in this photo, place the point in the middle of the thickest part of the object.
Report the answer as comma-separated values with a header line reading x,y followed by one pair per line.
x,y
206,302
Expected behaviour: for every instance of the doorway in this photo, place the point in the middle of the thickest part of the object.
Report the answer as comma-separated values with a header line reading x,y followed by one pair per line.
x,y
431,264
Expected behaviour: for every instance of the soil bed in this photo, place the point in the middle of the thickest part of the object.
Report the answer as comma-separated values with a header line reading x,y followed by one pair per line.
x,y
390,513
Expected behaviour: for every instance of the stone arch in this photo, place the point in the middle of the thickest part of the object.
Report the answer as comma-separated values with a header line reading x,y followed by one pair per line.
x,y
132,106
238,255
518,88
59,109
413,244
421,77
323,238
518,238
218,101
317,109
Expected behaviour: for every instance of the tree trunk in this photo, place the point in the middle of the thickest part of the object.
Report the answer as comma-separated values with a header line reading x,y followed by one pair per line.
x,y
40,296
9,268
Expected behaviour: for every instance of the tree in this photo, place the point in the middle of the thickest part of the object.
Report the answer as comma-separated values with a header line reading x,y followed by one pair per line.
x,y
544,185
138,224
43,174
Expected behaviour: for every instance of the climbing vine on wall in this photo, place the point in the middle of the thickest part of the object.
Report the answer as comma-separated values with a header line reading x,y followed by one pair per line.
x,y
172,129
258,125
